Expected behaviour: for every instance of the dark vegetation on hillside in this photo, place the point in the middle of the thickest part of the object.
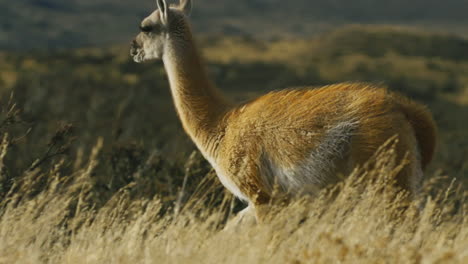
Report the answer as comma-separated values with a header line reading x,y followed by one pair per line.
x,y
52,24
55,107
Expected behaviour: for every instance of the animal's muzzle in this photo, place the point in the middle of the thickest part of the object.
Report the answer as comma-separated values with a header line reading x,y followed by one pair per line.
x,y
134,47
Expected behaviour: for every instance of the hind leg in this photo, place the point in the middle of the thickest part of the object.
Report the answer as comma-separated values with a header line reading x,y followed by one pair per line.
x,y
408,153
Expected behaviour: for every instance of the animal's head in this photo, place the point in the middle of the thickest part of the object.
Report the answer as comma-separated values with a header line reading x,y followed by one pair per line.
x,y
166,24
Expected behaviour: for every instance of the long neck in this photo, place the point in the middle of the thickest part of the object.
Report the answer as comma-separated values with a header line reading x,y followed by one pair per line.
x,y
199,104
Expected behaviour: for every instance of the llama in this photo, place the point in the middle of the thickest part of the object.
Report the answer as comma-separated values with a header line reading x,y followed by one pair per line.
x,y
296,139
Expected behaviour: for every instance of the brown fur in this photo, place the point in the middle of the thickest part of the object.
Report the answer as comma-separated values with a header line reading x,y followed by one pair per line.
x,y
288,125
328,130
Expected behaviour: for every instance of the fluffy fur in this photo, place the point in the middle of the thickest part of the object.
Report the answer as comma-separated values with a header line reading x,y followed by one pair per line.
x,y
301,139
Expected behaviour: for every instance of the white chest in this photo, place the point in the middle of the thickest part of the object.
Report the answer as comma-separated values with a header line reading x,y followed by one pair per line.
x,y
223,177
227,182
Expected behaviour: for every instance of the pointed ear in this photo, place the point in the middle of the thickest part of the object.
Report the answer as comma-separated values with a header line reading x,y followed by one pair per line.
x,y
186,6
163,9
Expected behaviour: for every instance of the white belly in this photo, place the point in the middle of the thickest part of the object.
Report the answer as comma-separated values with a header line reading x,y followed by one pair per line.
x,y
318,169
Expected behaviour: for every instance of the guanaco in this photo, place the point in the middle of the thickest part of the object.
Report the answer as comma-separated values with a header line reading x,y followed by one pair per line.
x,y
298,139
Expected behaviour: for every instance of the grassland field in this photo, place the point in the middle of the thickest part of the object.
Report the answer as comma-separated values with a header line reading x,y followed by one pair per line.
x,y
95,166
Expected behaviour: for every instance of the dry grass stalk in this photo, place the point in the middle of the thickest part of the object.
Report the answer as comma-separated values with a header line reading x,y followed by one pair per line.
x,y
358,221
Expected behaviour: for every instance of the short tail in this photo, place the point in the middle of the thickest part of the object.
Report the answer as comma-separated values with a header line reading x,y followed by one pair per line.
x,y
423,125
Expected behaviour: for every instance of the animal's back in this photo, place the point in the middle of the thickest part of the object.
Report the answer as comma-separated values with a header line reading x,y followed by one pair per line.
x,y
304,139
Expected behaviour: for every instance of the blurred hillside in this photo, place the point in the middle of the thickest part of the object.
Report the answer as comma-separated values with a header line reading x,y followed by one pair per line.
x,y
51,24
103,93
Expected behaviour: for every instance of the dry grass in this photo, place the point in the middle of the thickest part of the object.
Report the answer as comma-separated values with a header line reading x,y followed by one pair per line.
x,y
134,196
50,217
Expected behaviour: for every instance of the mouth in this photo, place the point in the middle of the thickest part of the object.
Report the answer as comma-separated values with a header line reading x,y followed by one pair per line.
x,y
138,56
137,53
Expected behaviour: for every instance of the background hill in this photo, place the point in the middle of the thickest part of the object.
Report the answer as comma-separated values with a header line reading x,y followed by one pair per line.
x,y
39,24
104,93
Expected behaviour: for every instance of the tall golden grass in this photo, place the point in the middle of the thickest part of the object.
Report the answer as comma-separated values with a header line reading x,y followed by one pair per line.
x,y
49,217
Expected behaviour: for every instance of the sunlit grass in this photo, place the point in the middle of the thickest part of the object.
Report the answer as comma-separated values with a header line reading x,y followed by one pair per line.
x,y
53,218
138,196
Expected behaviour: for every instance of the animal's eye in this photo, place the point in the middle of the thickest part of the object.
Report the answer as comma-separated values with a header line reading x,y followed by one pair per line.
x,y
146,29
